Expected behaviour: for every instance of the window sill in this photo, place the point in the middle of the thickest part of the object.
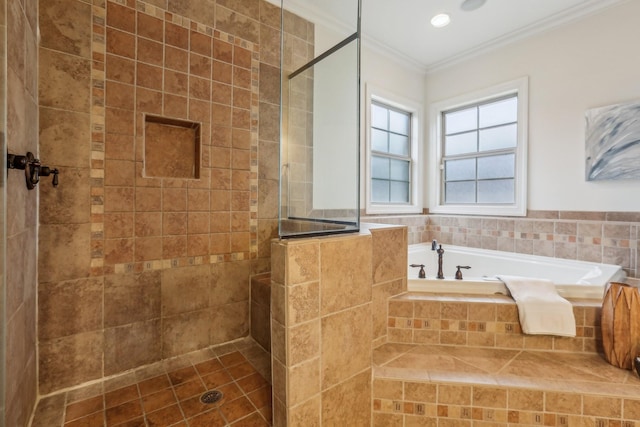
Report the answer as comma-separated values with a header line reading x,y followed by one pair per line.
x,y
479,210
393,210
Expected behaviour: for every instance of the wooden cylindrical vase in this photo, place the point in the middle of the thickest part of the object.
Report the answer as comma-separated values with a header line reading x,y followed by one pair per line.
x,y
621,324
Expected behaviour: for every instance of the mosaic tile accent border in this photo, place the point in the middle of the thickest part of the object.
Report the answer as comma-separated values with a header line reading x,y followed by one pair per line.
x,y
603,237
432,404
97,137
100,265
483,322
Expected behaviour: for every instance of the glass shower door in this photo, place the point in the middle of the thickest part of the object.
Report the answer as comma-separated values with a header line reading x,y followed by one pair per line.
x,y
320,132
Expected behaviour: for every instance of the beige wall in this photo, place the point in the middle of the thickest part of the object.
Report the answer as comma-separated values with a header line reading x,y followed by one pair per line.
x,y
22,214
134,269
579,66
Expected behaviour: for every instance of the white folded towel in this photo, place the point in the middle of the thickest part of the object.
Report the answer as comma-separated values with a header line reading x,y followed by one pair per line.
x,y
542,311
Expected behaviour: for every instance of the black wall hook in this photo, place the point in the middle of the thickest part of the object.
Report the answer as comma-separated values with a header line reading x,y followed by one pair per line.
x,y
33,170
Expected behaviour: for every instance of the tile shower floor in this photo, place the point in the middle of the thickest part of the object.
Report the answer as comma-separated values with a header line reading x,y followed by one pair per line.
x,y
168,393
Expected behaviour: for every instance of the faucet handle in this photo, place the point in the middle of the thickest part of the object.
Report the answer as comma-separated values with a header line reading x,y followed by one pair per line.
x,y
421,274
459,273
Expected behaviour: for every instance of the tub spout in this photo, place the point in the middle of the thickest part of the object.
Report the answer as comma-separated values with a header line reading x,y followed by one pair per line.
x,y
440,273
434,245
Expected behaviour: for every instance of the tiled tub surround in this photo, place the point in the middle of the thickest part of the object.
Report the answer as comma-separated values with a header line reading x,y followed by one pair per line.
x,y
464,361
135,269
607,237
483,321
416,225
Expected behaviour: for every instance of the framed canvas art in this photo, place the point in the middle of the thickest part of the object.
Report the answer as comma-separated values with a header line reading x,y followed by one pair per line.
x,y
612,142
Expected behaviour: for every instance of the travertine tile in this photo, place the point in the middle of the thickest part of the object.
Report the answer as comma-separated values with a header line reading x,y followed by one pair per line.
x,y
55,265
389,257
419,392
345,273
489,397
59,313
302,263
565,403
67,85
132,345
83,361
229,322
68,203
132,298
602,406
303,381
631,409
305,414
238,25
229,282
350,400
64,138
185,332
380,300
183,289
303,342
351,326
303,302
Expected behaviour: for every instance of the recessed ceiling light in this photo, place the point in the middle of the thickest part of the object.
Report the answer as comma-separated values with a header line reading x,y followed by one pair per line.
x,y
469,5
440,20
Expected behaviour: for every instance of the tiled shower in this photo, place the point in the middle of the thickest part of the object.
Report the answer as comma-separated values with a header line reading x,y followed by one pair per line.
x,y
136,266
156,262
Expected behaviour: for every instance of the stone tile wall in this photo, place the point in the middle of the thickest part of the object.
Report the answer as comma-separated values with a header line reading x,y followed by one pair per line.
x,y
327,298
19,25
413,403
133,268
480,321
607,237
261,310
416,225
458,400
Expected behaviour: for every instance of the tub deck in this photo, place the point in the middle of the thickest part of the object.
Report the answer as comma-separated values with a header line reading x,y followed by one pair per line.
x,y
572,278
535,370
463,361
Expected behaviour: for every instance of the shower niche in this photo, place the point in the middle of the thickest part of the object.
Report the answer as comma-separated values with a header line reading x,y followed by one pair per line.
x,y
171,148
320,118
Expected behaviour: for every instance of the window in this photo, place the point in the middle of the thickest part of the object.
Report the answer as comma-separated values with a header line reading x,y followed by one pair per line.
x,y
480,144
393,153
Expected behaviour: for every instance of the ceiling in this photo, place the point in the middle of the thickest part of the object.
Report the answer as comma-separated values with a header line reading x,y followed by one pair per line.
x,y
401,27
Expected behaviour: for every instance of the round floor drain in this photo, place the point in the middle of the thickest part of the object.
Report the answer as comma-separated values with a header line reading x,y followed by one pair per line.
x,y
211,396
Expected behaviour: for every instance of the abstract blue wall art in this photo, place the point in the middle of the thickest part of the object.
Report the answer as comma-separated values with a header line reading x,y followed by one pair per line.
x,y
613,142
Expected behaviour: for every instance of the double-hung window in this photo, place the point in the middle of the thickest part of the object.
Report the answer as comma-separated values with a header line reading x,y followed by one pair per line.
x,y
481,152
393,167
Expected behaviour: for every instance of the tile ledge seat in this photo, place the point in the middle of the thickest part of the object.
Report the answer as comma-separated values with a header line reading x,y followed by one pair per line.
x,y
586,373
549,370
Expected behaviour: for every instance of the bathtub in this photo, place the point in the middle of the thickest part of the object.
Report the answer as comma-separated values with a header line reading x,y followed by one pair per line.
x,y
573,279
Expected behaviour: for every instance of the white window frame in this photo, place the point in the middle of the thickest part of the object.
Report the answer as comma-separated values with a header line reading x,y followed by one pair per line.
x,y
519,207
373,93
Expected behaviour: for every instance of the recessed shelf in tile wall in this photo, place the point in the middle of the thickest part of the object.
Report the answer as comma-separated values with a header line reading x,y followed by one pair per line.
x,y
171,148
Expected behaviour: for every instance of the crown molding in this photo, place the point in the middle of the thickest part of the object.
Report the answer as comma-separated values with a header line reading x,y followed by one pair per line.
x,y
569,15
